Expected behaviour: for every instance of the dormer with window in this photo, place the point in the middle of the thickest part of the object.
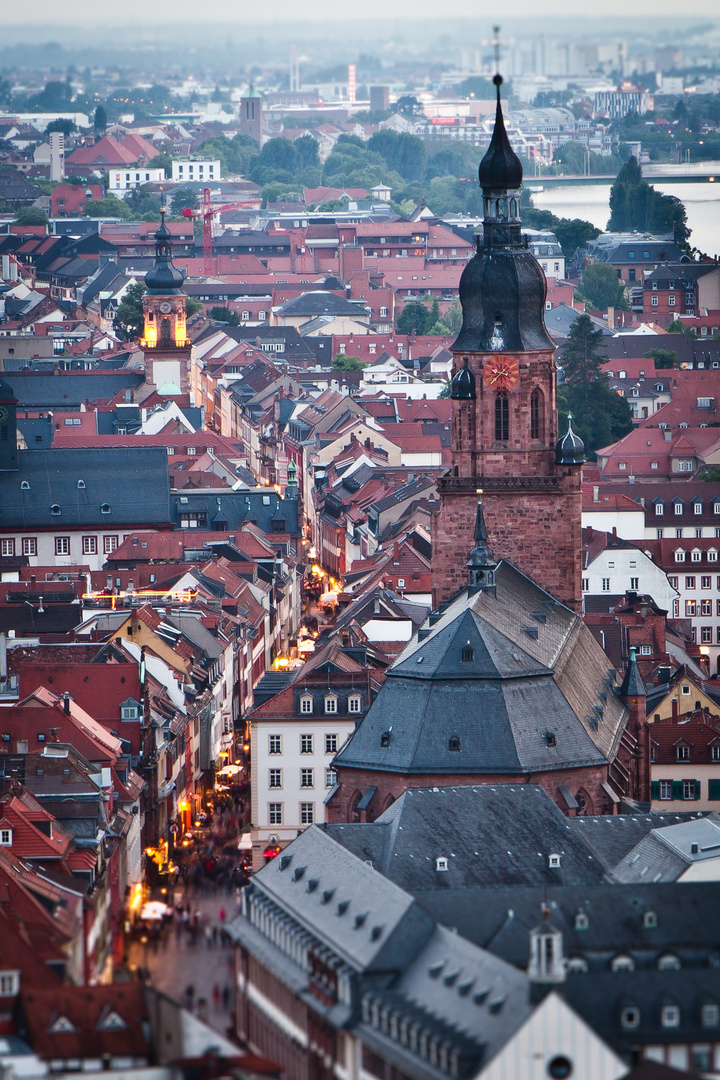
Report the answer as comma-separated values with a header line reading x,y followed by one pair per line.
x,y
331,703
682,751
678,506
696,555
659,508
679,555
306,704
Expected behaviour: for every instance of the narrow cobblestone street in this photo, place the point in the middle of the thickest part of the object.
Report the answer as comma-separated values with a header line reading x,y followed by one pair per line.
x,y
174,963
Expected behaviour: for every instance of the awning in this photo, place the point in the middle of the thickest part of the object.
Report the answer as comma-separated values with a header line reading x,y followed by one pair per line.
x,y
165,790
366,799
245,842
570,800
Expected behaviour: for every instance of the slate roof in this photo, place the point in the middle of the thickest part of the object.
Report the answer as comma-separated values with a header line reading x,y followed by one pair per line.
x,y
236,507
535,668
476,829
601,998
109,478
500,919
341,879
612,836
666,853
66,389
319,302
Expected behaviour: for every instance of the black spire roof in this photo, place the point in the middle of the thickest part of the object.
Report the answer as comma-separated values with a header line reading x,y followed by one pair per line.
x,y
481,561
462,387
164,279
500,169
632,684
570,449
503,289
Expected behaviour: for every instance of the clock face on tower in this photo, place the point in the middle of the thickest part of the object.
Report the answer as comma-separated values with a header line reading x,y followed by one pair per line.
x,y
501,372
166,307
3,414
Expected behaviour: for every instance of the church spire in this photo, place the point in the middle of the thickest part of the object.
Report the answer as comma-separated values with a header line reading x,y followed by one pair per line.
x,y
481,561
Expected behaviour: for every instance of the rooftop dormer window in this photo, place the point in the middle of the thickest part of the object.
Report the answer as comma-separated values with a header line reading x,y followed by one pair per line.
x,y
306,704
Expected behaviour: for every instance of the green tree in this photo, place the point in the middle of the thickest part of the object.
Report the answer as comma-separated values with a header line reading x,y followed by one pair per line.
x,y
636,206
408,106
573,233
306,149
664,358
581,361
100,119
31,215
143,200
677,326
67,127
192,306
162,161
453,317
183,198
403,153
129,316
600,416
347,363
108,207
223,314
414,319
600,285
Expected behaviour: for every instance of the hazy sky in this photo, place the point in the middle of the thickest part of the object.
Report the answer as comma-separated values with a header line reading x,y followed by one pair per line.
x,y
44,14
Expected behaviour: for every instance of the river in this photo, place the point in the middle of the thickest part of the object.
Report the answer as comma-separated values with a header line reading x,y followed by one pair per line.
x,y
591,202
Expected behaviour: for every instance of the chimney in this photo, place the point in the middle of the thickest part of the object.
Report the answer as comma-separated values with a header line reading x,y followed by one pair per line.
x,y
596,494
396,554
66,703
674,709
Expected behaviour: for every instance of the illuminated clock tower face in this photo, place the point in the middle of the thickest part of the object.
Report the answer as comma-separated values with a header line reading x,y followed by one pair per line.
x,y
501,372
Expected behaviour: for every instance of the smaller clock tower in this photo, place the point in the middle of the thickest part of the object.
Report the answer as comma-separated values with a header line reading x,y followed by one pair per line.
x,y
167,348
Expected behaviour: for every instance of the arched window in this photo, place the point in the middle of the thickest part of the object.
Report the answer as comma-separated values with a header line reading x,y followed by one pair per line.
x,y
536,414
502,418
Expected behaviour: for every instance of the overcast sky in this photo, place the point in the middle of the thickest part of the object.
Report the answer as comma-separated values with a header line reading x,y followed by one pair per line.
x,y
47,13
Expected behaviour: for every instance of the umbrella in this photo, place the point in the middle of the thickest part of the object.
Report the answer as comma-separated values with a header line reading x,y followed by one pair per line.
x,y
245,842
230,770
329,598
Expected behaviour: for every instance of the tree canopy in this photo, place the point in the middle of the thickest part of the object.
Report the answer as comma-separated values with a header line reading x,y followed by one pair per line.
x,y
341,362
414,319
635,206
601,286
600,416
129,318
664,358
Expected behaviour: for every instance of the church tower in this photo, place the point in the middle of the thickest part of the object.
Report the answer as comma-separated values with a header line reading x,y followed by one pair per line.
x,y
504,411
165,341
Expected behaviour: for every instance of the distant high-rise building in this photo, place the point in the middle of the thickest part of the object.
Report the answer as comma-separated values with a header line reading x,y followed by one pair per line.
x,y
379,98
251,118
57,155
352,84
294,69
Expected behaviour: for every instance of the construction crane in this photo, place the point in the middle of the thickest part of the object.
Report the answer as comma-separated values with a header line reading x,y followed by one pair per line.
x,y
207,213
